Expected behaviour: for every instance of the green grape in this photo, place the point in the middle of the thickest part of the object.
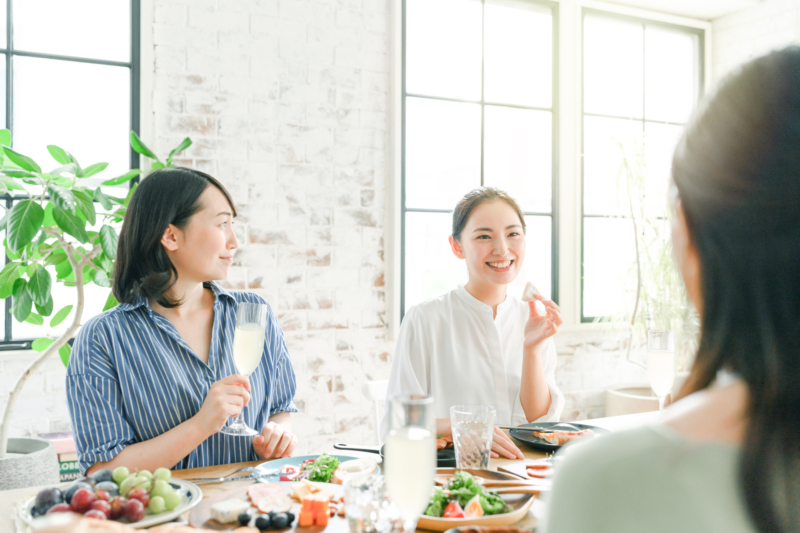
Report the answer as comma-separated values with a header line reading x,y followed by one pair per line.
x,y
127,485
144,473
172,500
162,473
157,505
143,483
119,474
161,488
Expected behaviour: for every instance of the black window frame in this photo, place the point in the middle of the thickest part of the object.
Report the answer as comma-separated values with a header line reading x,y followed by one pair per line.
x,y
8,50
553,109
701,34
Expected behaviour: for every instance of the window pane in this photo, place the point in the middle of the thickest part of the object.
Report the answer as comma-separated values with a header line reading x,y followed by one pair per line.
x,y
443,152
443,48
518,155
604,140
612,66
87,112
518,62
671,74
3,91
660,141
3,19
537,267
431,268
99,29
609,271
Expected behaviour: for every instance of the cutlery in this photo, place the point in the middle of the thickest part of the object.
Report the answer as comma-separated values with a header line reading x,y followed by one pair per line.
x,y
444,479
551,429
253,475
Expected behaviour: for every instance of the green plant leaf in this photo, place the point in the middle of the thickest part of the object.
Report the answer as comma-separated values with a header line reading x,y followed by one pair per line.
x,y
62,197
64,352
139,147
46,309
86,205
10,184
186,143
34,319
70,168
22,302
63,270
48,219
42,344
59,154
88,274
101,279
109,240
59,317
104,200
17,173
56,258
122,179
8,276
5,138
111,302
22,161
39,285
91,170
71,224
24,223
129,196
157,165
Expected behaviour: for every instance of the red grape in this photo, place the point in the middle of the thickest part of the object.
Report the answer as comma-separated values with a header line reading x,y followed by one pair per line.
x,y
141,495
94,513
82,500
134,511
117,507
60,508
102,495
102,506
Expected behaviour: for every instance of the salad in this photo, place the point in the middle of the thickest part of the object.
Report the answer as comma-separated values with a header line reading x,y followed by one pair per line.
x,y
463,497
320,469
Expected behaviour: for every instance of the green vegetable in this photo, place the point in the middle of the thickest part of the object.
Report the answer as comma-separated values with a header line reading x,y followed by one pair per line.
x,y
439,501
462,488
322,468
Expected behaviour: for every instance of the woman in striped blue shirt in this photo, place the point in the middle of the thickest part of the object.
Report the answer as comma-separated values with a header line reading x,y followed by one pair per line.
x,y
151,382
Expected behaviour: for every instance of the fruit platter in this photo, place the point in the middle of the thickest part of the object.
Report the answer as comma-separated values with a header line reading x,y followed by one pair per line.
x,y
141,499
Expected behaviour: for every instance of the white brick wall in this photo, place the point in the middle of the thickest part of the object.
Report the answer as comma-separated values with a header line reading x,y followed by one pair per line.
x,y
751,32
286,101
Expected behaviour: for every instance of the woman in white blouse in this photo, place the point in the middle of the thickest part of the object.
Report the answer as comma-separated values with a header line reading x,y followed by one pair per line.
x,y
477,344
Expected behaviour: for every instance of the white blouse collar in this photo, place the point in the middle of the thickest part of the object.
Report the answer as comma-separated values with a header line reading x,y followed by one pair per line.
x,y
478,305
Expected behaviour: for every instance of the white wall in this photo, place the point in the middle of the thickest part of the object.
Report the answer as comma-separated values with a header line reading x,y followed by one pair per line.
x,y
751,32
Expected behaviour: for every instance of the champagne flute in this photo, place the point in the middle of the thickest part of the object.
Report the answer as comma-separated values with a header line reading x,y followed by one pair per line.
x,y
248,347
661,363
410,456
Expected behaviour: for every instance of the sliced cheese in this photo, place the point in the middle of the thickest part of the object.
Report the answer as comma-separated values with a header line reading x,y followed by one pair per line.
x,y
530,290
228,511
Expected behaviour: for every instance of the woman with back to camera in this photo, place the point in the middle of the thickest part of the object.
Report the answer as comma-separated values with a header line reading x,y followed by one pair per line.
x,y
152,381
477,344
727,455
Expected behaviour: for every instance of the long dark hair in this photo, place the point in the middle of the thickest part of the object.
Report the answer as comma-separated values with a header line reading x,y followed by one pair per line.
x,y
167,196
737,169
476,197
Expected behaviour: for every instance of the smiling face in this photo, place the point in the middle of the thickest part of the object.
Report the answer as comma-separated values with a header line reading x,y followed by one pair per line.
x,y
492,244
203,250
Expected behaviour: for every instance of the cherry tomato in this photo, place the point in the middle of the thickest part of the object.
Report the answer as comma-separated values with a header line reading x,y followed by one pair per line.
x,y
453,510
289,472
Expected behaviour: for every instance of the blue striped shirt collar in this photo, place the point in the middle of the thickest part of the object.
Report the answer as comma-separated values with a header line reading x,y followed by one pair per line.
x,y
142,301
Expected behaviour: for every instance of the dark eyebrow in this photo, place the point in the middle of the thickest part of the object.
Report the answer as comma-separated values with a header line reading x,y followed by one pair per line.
x,y
225,213
490,229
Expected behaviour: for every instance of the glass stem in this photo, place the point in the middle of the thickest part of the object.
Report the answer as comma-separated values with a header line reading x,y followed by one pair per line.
x,y
661,401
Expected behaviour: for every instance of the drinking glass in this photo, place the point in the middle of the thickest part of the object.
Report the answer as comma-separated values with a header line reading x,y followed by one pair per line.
x,y
410,456
661,363
367,506
473,428
248,347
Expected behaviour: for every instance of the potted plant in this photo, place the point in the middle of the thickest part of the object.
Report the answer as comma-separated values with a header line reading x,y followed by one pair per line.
x,y
58,226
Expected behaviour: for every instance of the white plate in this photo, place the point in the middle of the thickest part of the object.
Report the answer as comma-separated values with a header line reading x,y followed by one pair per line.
x,y
190,496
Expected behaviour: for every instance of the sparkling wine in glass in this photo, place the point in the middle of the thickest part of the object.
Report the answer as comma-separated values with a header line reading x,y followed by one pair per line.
x,y
661,363
410,456
248,347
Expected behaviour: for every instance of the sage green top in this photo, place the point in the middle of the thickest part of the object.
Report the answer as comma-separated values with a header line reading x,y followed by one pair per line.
x,y
647,480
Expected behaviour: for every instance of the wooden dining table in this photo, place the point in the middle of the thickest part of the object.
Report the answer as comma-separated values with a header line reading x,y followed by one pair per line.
x,y
11,498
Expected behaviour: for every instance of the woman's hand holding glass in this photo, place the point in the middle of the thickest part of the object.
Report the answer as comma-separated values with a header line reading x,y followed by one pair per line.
x,y
225,399
539,328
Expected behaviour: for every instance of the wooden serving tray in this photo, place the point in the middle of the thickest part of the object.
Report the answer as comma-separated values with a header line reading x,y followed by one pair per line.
x,y
200,517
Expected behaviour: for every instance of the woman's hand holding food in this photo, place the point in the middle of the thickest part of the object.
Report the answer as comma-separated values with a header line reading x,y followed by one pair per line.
x,y
225,399
502,445
539,328
275,442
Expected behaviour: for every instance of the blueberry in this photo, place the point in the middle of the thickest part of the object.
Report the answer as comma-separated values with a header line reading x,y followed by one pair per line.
x,y
263,522
290,517
72,489
280,521
244,518
102,475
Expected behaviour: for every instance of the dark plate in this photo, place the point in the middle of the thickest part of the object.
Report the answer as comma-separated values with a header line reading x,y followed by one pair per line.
x,y
528,438
444,458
